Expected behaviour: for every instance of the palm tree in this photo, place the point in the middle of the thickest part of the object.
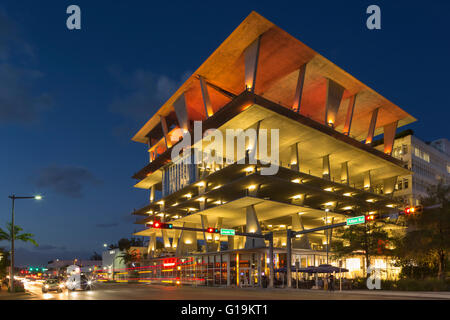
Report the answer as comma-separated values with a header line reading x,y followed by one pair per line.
x,y
128,257
25,237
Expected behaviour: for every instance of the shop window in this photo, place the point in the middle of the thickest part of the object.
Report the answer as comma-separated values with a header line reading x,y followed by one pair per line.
x,y
353,264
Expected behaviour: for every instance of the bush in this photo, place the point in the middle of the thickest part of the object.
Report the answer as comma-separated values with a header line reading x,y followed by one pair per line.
x,y
423,285
359,283
416,285
406,284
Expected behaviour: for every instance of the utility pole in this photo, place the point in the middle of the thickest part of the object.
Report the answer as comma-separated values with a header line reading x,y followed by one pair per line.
x,y
11,271
13,236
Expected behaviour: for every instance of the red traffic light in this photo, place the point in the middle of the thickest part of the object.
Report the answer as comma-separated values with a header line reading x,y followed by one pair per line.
x,y
213,230
413,210
162,225
370,218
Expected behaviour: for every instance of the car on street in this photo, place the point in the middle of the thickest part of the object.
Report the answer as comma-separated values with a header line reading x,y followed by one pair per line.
x,y
53,285
84,283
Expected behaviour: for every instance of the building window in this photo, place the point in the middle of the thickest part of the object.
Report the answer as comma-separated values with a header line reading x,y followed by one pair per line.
x,y
404,149
422,155
353,264
405,184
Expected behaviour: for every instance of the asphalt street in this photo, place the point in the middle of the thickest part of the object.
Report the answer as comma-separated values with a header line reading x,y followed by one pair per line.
x,y
125,291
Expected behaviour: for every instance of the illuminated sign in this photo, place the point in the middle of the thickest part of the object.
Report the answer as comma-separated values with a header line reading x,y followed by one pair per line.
x,y
227,232
169,264
356,220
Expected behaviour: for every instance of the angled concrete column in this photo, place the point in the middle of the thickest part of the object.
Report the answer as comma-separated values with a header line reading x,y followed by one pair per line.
x,y
210,245
372,125
299,199
206,100
176,238
251,56
252,226
349,117
367,180
166,132
241,242
181,112
202,203
297,225
299,89
344,173
389,185
166,239
151,245
151,155
326,172
231,245
389,137
201,188
252,191
333,101
295,158
187,242
152,193
204,221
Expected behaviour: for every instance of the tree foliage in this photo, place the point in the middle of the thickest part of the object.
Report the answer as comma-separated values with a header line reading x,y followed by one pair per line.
x,y
369,240
18,235
124,244
426,242
4,262
129,256
96,256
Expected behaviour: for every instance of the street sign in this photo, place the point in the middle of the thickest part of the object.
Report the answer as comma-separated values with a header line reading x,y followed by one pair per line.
x,y
227,232
356,220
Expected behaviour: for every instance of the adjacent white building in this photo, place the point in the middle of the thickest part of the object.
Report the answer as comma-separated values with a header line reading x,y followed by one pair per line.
x,y
429,162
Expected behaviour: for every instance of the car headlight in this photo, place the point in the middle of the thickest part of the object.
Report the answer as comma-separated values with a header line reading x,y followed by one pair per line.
x,y
61,285
46,286
89,282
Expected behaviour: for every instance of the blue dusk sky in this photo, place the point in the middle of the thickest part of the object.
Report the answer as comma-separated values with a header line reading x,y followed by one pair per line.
x,y
70,100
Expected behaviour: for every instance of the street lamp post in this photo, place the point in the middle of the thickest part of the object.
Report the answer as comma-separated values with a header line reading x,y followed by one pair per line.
x,y
11,271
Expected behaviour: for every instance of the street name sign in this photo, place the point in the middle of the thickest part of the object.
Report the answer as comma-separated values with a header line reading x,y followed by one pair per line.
x,y
227,232
356,220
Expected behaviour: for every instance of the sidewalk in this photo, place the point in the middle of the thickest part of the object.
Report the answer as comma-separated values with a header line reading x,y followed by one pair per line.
x,y
415,294
5,295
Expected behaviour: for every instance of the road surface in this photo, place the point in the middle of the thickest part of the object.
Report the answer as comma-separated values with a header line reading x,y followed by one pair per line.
x,y
125,291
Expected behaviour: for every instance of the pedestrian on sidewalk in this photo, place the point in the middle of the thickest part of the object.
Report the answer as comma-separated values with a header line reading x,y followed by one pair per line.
x,y
331,283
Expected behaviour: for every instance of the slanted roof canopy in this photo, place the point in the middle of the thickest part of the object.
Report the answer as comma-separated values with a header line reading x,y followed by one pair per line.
x,y
280,58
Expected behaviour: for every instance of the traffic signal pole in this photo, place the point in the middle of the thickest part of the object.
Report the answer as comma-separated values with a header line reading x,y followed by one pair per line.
x,y
289,257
